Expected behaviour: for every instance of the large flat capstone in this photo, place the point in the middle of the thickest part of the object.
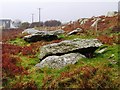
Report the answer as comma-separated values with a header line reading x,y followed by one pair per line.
x,y
82,46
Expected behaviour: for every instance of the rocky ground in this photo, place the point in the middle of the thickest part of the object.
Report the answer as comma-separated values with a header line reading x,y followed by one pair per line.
x,y
75,55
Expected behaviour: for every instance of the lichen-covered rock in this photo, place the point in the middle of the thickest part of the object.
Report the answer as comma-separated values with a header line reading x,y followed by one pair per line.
x,y
60,61
84,46
43,35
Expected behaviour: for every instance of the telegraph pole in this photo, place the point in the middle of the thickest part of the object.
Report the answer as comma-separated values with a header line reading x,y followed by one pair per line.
x,y
39,14
32,18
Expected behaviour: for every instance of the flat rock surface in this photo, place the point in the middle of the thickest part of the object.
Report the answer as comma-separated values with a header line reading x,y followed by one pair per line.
x,y
30,31
60,61
69,46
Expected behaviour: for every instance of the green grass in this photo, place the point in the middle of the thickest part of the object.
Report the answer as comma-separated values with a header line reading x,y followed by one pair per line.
x,y
28,62
101,61
78,36
19,42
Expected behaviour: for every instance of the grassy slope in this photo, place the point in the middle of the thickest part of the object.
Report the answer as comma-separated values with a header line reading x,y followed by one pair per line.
x,y
41,76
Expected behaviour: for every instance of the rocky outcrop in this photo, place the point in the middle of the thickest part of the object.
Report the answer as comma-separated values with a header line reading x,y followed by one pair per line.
x,y
78,30
60,61
43,35
76,45
111,14
93,23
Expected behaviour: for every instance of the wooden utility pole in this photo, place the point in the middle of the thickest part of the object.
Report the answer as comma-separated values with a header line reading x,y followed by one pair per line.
x,y
39,15
32,18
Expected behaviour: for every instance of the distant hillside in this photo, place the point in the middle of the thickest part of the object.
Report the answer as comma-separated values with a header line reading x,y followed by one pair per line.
x,y
102,23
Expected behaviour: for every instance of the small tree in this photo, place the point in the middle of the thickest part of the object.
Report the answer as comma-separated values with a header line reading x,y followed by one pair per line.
x,y
25,25
36,24
52,23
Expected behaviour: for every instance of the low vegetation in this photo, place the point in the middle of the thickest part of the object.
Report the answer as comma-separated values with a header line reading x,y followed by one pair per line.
x,y
19,59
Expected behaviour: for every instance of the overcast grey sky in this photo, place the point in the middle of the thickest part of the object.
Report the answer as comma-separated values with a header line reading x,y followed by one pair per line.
x,y
63,11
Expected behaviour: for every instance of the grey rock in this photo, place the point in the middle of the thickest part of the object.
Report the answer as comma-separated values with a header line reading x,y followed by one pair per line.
x,y
84,46
111,14
78,30
102,50
60,61
30,31
113,55
39,37
43,35
57,32
79,20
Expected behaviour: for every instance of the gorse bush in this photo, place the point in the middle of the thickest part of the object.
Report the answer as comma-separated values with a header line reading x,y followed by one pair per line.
x,y
52,23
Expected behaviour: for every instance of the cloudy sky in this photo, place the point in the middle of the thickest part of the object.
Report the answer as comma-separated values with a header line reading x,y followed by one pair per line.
x,y
63,10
